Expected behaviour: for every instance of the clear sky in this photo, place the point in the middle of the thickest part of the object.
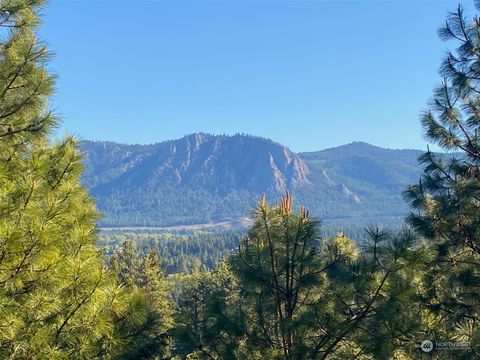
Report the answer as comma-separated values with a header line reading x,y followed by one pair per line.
x,y
309,75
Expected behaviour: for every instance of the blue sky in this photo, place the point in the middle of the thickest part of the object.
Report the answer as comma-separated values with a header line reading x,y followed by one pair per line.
x,y
310,75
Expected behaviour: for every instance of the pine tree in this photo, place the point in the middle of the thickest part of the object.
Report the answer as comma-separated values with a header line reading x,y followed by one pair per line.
x,y
57,300
143,274
447,198
211,319
126,263
288,294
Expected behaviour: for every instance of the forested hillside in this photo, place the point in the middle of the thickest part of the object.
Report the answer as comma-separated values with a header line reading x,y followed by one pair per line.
x,y
182,251
204,178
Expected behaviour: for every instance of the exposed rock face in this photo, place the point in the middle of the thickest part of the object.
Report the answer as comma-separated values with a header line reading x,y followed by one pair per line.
x,y
202,178
221,163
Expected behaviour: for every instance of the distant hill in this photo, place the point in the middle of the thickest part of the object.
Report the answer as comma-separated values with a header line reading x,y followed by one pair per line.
x,y
371,180
204,178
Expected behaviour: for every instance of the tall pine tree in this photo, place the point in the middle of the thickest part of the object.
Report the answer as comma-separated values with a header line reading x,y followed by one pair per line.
x,y
447,198
56,298
287,294
143,273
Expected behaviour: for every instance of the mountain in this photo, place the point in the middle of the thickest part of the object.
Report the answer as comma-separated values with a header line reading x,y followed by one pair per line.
x,y
197,179
203,178
218,163
372,178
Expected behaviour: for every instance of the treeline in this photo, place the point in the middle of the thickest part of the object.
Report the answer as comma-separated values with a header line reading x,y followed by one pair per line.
x,y
188,251
167,205
178,251
285,292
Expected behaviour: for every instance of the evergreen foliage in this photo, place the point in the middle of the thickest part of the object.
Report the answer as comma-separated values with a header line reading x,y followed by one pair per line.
x,y
57,300
447,198
179,251
143,274
285,291
286,294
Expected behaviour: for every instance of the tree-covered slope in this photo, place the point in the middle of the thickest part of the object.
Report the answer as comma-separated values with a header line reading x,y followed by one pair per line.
x,y
197,179
203,178
370,178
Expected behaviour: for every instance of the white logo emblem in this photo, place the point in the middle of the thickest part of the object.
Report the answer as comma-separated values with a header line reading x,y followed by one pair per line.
x,y
426,346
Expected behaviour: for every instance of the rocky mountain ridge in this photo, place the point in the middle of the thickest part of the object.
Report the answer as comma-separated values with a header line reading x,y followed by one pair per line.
x,y
203,178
